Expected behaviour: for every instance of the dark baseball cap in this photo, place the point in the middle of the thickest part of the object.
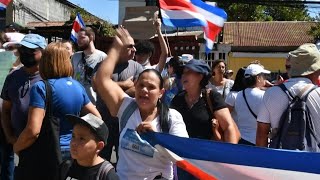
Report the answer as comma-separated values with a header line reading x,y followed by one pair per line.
x,y
97,126
199,66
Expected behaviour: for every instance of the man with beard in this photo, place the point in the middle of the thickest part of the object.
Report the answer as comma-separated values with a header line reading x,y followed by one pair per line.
x,y
18,83
84,61
125,72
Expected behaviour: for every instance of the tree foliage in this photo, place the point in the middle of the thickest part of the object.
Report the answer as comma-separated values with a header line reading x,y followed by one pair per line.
x,y
264,11
102,27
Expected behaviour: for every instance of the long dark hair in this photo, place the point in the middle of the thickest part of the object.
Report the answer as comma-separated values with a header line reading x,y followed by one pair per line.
x,y
163,108
239,83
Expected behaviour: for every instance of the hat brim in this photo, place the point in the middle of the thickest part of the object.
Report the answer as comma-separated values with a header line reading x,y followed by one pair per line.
x,y
8,44
74,120
266,72
30,45
191,67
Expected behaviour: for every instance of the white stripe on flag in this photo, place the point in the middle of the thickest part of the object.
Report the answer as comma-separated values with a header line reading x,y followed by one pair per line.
x,y
183,14
231,171
213,18
3,5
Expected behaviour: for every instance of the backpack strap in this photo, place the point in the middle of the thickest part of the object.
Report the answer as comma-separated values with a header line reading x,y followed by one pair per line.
x,y
285,90
103,170
48,102
245,99
127,113
206,94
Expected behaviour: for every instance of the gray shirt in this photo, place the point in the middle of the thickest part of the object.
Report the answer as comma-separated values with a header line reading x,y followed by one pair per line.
x,y
83,72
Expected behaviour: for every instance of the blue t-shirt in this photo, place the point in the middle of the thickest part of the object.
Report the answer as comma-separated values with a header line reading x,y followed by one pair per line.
x,y
68,97
16,89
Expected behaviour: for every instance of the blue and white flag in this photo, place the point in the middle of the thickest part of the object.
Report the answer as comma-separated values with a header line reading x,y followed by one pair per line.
x,y
216,160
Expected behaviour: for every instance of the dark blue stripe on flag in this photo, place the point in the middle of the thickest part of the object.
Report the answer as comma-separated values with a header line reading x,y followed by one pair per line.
x,y
182,22
210,8
237,154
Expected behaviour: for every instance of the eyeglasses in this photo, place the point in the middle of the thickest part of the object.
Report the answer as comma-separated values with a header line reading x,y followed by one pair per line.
x,y
130,46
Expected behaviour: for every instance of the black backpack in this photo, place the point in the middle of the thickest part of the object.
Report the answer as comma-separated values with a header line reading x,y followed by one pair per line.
x,y
296,128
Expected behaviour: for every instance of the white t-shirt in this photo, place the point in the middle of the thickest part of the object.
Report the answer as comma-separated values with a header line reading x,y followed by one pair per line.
x,y
140,164
231,100
247,123
275,102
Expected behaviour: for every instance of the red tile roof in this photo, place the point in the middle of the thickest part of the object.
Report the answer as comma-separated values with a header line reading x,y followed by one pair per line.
x,y
267,34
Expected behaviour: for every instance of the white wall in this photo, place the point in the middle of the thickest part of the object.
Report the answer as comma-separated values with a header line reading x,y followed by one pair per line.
x,y
128,3
45,10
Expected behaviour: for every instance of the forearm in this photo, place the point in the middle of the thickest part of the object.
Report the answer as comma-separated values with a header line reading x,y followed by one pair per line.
x,y
131,91
123,85
107,66
262,134
25,140
7,128
262,141
231,135
164,50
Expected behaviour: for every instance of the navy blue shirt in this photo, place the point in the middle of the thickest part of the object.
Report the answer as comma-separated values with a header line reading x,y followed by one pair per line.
x,y
16,89
68,97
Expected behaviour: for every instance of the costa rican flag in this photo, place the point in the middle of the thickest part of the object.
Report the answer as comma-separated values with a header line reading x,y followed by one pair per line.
x,y
188,13
4,4
207,160
77,25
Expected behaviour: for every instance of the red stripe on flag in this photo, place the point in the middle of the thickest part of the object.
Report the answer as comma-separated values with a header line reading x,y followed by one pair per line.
x,y
213,31
176,5
198,173
76,26
5,2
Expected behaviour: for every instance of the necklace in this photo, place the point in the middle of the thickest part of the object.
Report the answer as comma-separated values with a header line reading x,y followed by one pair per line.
x,y
191,102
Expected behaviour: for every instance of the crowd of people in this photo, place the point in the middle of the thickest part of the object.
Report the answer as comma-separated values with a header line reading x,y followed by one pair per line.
x,y
64,112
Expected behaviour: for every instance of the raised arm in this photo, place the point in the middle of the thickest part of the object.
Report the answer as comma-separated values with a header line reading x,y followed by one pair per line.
x,y
110,92
163,46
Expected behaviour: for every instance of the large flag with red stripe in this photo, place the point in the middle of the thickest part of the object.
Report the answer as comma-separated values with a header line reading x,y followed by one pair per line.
x,y
4,4
215,160
188,13
77,25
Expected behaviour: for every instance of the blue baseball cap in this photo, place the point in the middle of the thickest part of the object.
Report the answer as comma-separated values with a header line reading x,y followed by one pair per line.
x,y
34,41
199,66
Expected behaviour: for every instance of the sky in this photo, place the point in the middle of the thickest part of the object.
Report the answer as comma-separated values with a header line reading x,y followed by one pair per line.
x,y
108,9
105,9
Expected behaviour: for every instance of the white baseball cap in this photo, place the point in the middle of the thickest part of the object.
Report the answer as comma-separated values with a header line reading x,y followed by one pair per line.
x,y
255,69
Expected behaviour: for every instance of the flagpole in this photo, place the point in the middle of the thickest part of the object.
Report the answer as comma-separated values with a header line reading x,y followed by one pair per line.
x,y
165,30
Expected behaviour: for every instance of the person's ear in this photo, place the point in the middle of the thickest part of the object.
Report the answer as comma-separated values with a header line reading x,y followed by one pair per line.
x,y
100,146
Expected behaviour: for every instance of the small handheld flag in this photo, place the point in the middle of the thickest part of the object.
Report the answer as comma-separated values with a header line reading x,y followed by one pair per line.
x,y
188,13
77,25
4,4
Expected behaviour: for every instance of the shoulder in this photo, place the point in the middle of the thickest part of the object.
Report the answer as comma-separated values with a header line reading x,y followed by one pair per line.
x,y
134,63
100,53
229,82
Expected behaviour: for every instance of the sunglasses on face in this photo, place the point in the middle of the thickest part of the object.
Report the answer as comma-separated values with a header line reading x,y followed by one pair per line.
x,y
24,50
130,46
